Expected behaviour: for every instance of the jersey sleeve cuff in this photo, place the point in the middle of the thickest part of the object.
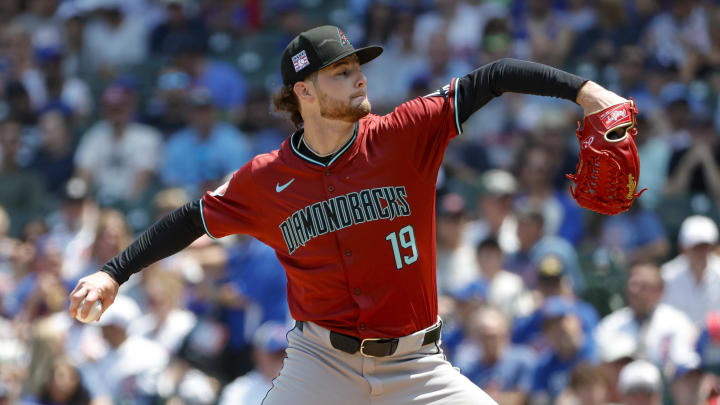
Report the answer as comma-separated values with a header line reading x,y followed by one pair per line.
x,y
202,216
453,89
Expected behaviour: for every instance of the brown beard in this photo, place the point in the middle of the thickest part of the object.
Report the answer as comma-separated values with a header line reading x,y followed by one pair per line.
x,y
334,109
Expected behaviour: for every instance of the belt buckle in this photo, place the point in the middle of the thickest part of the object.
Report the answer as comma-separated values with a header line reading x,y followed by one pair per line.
x,y
362,346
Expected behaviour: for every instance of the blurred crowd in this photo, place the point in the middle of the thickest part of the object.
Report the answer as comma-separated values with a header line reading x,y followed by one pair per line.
x,y
115,112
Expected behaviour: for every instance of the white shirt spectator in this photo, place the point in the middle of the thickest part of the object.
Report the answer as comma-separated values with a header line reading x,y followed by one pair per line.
x,y
671,39
683,291
113,47
116,161
456,268
171,333
248,389
506,292
129,372
667,334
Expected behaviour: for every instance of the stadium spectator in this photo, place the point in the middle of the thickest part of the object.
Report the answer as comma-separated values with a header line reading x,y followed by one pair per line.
x,y
640,383
569,347
130,369
654,151
22,192
440,64
113,40
534,246
21,67
689,385
388,88
117,155
168,108
679,37
111,235
611,31
73,16
40,291
613,359
506,291
207,150
695,272
708,343
637,235
64,387
179,24
165,322
587,386
228,87
53,160
8,248
456,264
658,331
18,105
540,33
73,225
537,173
695,169
58,88
487,358
268,353
255,292
552,284
496,217
265,131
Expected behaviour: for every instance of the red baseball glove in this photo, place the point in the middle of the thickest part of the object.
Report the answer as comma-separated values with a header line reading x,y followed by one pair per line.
x,y
609,167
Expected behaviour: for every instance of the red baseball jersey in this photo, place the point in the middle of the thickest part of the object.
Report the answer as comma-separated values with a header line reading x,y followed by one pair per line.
x,y
356,236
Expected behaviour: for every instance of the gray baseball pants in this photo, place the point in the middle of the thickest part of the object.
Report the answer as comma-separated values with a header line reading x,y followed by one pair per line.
x,y
314,372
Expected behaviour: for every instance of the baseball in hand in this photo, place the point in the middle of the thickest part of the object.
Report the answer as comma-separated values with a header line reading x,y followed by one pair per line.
x,y
94,312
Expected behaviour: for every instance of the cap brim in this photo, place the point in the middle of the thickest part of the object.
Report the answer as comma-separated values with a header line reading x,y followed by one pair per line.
x,y
365,55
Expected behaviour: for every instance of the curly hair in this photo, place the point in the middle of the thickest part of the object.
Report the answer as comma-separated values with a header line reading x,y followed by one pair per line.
x,y
285,101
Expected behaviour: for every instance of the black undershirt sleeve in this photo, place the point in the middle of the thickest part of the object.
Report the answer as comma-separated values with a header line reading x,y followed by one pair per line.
x,y
477,88
168,236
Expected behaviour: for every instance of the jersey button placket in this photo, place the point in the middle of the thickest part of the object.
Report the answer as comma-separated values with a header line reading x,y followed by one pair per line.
x,y
331,188
348,252
356,291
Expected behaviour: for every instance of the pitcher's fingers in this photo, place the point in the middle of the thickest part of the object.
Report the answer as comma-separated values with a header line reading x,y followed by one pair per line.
x,y
76,298
90,299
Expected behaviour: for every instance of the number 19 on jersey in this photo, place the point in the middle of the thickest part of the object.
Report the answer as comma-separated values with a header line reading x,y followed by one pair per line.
x,y
406,237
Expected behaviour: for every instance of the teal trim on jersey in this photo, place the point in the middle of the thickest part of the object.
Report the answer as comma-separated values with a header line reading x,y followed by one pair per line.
x,y
337,154
202,216
455,107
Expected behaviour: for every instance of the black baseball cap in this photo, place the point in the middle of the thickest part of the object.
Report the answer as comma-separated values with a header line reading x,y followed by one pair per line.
x,y
319,48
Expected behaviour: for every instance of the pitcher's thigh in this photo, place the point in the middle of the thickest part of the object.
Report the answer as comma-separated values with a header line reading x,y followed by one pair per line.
x,y
307,380
432,382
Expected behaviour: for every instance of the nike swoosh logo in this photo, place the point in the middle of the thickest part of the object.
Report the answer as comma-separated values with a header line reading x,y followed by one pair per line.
x,y
279,188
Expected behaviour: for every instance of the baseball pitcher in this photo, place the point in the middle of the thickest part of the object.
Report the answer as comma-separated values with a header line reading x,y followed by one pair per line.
x,y
348,204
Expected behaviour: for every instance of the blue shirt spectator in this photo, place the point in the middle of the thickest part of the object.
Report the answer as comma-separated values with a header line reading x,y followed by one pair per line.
x,y
637,233
512,372
569,347
488,359
206,150
256,274
534,247
708,343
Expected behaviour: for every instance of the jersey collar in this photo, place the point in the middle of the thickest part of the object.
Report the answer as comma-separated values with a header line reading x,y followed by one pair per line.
x,y
295,137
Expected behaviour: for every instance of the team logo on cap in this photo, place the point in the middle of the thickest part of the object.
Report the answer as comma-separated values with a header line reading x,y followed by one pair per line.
x,y
343,39
300,61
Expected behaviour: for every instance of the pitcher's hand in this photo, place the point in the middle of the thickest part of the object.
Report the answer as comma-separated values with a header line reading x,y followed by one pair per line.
x,y
97,286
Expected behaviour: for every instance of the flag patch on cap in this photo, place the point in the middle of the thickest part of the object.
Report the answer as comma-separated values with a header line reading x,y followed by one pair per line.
x,y
300,61
343,39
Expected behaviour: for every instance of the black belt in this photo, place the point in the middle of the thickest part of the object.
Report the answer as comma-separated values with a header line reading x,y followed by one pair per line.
x,y
374,347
